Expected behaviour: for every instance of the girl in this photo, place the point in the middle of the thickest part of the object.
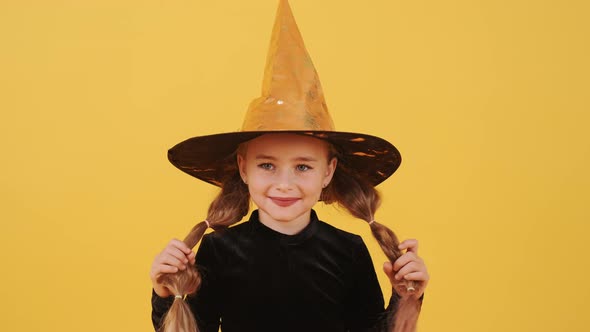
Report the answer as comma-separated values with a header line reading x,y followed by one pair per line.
x,y
284,269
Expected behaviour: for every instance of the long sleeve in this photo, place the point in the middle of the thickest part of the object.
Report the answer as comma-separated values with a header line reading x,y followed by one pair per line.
x,y
386,322
365,305
206,303
365,308
160,306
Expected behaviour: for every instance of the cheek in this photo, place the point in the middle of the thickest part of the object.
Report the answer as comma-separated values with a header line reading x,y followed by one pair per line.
x,y
257,179
313,184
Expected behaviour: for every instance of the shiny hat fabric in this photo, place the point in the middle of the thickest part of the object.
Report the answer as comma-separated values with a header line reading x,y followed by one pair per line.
x,y
292,101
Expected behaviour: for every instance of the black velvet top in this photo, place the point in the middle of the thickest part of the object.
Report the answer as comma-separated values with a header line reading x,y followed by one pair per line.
x,y
257,279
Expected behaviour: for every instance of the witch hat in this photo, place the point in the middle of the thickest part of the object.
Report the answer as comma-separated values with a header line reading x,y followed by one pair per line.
x,y
292,101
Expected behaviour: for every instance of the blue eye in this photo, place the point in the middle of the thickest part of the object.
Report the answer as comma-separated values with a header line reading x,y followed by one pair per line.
x,y
266,166
303,168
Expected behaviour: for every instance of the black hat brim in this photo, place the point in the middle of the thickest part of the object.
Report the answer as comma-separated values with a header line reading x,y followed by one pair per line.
x,y
211,158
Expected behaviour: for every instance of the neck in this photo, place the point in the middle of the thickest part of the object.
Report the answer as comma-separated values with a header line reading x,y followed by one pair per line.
x,y
287,227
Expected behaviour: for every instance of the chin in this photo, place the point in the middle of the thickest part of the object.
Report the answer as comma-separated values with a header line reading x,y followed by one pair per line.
x,y
285,214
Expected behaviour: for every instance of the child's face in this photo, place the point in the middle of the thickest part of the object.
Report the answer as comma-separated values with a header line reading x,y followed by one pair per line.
x,y
285,174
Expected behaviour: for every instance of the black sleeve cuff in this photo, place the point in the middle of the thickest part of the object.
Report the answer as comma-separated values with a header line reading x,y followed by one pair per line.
x,y
160,306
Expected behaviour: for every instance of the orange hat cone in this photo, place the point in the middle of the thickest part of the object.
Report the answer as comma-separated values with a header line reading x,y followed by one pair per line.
x,y
292,101
292,96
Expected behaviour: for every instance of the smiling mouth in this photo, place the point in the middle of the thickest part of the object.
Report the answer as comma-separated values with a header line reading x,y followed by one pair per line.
x,y
284,201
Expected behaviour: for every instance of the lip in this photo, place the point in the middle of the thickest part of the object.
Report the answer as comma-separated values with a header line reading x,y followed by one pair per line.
x,y
284,201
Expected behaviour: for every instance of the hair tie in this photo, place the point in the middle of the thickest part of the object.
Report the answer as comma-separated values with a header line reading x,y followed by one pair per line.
x,y
178,296
372,221
207,223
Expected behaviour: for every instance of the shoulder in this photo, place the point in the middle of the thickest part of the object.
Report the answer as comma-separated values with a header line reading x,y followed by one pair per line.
x,y
220,246
236,232
338,236
349,248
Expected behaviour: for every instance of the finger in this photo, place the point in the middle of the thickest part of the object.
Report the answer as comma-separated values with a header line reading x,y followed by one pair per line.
x,y
388,269
172,261
175,252
405,259
191,257
176,243
163,269
417,276
159,270
408,268
410,244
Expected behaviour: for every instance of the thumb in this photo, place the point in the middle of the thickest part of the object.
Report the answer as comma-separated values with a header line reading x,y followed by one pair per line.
x,y
388,269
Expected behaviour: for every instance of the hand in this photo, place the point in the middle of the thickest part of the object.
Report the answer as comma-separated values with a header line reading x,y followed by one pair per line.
x,y
408,266
173,258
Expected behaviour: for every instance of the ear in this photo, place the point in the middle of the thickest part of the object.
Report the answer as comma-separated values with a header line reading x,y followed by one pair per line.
x,y
242,168
330,171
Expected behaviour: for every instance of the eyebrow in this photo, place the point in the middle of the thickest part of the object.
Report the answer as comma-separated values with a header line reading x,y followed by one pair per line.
x,y
302,158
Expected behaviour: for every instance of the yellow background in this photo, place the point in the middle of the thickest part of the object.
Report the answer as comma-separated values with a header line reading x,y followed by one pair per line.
x,y
488,102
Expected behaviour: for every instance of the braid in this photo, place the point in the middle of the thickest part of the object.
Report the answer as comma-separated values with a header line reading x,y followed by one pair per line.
x,y
362,200
229,207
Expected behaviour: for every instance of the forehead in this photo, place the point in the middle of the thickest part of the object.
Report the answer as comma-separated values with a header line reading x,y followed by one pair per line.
x,y
287,144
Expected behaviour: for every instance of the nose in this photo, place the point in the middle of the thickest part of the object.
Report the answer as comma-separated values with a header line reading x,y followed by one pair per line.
x,y
285,180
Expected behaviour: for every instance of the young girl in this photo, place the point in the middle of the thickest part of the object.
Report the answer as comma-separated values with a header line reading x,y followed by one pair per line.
x,y
284,269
